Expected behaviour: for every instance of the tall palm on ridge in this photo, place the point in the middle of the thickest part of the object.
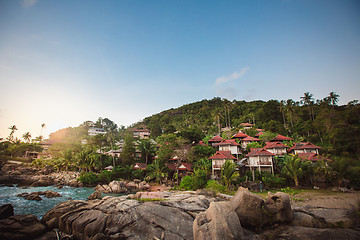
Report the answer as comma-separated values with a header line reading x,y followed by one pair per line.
x,y
26,136
334,98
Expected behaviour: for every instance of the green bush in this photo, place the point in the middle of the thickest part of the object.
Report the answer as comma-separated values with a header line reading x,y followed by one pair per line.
x,y
199,178
89,178
104,176
215,186
271,181
187,183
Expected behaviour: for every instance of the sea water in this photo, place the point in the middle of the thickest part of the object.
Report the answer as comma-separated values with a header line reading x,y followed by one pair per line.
x,y
39,208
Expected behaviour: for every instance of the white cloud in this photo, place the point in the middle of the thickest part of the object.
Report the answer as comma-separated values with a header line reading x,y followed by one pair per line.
x,y
28,3
233,76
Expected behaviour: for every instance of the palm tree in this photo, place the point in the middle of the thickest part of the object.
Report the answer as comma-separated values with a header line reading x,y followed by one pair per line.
x,y
67,156
228,173
147,149
334,98
42,127
290,109
293,168
156,171
26,136
13,128
307,100
282,110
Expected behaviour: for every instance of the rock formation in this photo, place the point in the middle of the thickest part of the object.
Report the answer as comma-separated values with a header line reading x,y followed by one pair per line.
x,y
122,186
121,218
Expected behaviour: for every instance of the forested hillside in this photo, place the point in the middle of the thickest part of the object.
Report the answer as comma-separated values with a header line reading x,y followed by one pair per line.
x,y
323,122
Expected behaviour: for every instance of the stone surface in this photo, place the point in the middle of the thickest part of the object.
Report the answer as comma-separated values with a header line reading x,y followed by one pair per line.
x,y
306,233
121,218
278,208
122,186
95,195
21,227
30,196
6,211
249,208
218,222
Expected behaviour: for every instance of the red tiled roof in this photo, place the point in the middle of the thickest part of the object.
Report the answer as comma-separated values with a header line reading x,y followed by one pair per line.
x,y
186,167
275,145
222,155
259,134
141,166
281,138
259,152
311,157
230,142
216,139
303,145
240,135
250,139
182,166
202,143
246,125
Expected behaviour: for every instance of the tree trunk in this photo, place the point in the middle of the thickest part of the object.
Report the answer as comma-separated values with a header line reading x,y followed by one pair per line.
x,y
296,180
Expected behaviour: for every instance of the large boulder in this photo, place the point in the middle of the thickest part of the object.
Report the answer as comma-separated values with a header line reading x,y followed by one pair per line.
x,y
30,196
95,195
6,211
218,222
249,208
121,218
21,227
278,208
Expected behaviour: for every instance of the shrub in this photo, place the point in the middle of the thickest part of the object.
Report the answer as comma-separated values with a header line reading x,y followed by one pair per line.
x,y
271,181
187,183
199,178
104,176
215,186
89,178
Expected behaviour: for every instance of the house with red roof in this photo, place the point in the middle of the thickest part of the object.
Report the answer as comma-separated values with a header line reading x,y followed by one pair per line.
x,y
141,133
218,160
239,135
247,140
184,168
141,166
260,159
277,148
281,138
230,145
259,134
304,147
215,140
312,157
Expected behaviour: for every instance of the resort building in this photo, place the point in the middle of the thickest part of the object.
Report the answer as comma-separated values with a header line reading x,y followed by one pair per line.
x,y
304,147
260,159
141,133
277,148
218,160
247,140
215,140
280,138
230,145
93,131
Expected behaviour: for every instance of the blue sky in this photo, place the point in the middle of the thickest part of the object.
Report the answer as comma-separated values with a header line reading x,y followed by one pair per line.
x,y
65,62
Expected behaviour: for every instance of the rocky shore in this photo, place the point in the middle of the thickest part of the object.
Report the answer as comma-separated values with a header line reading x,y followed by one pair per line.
x,y
188,215
31,177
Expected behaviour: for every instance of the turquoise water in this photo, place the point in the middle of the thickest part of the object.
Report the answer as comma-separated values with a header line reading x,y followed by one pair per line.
x,y
39,208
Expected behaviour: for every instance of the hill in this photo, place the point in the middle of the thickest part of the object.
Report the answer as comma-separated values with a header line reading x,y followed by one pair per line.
x,y
335,128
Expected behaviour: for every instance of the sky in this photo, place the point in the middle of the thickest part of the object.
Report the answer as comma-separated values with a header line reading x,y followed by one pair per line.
x,y
66,62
